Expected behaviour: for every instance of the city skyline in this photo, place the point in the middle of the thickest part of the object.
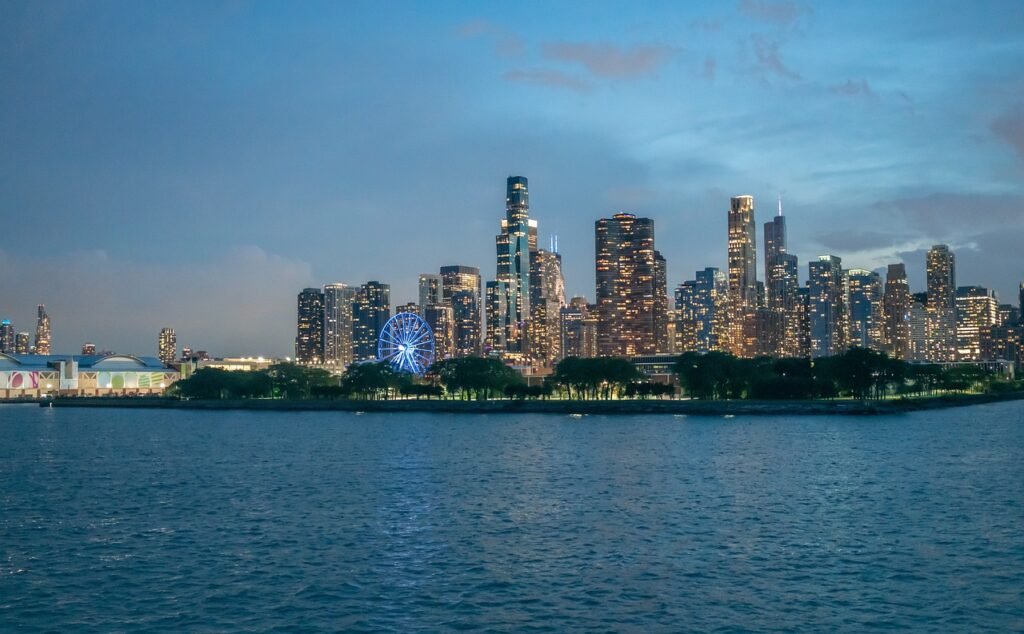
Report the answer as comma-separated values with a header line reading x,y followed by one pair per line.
x,y
876,162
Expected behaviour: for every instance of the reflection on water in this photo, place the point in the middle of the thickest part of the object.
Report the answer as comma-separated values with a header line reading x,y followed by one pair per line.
x,y
131,520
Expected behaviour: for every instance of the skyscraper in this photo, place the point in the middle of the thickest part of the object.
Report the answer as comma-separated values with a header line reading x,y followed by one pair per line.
x,y
702,306
309,339
742,274
547,298
6,337
579,329
461,290
22,343
370,313
167,346
941,270
338,327
782,279
827,307
440,319
686,316
430,289
864,296
917,328
896,304
42,331
513,250
632,302
496,300
976,315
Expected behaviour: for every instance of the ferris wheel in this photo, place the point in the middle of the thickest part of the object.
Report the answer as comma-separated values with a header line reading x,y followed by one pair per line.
x,y
407,343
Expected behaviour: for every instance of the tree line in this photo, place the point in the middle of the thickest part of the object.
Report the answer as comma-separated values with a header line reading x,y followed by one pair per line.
x,y
858,373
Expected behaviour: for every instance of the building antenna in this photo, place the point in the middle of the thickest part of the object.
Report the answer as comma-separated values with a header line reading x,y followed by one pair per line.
x,y
780,203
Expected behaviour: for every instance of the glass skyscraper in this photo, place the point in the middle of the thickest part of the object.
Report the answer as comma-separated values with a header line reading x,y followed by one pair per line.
x,y
370,313
827,307
742,274
513,250
941,272
896,305
309,339
339,300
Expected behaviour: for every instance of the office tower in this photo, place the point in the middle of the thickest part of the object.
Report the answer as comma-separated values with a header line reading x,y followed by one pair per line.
x,y
941,269
430,289
630,273
22,343
461,290
864,299
917,328
409,307
976,315
513,250
339,300
89,349
6,337
896,304
167,346
661,311
742,274
370,313
1008,314
441,321
702,311
42,331
803,311
672,338
574,317
309,339
547,298
827,307
497,312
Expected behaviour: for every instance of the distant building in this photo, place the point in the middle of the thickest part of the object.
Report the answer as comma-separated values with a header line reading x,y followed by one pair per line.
x,y
864,297
547,298
22,343
513,272
941,273
167,346
632,301
917,328
461,289
6,337
495,300
441,321
89,349
35,375
339,300
896,304
702,311
742,274
409,307
976,315
579,329
309,340
827,307
430,287
370,313
42,331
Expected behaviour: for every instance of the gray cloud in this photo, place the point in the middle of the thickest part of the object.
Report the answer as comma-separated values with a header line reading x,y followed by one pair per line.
x,y
546,77
506,43
768,58
852,88
846,240
943,215
1009,127
784,12
607,60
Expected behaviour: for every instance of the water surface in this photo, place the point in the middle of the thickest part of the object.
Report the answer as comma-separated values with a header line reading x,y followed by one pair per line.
x,y
135,520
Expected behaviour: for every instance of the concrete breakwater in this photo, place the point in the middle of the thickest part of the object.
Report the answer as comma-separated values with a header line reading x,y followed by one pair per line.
x,y
567,407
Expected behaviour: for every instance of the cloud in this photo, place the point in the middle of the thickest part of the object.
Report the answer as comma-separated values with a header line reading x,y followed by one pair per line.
x,y
607,60
945,215
241,302
853,88
846,240
1009,127
784,12
506,44
551,78
768,58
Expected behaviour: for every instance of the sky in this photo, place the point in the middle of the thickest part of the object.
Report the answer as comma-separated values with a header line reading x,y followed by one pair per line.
x,y
196,164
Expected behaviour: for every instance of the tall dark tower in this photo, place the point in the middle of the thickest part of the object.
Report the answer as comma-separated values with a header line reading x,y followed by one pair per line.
x,y
514,252
309,339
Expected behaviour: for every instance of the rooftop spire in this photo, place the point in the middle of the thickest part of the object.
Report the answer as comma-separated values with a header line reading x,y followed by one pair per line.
x,y
780,203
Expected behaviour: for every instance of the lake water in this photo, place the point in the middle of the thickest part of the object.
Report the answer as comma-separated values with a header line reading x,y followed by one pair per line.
x,y
135,520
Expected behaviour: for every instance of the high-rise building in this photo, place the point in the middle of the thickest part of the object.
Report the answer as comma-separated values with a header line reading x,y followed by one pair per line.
x,y
371,311
803,310
742,274
6,337
579,329
309,339
409,307
167,346
827,306
896,304
1008,315
89,349
864,301
440,319
513,250
632,303
941,270
42,330
339,300
497,312
547,298
976,315
461,290
22,343
431,291
702,311
917,328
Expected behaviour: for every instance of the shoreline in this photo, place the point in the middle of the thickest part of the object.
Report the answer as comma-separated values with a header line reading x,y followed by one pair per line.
x,y
565,407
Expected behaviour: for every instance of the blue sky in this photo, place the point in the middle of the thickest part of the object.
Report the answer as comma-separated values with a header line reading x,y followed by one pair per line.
x,y
195,164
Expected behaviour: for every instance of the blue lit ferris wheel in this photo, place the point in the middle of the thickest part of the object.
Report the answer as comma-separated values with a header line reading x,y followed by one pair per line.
x,y
407,343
